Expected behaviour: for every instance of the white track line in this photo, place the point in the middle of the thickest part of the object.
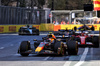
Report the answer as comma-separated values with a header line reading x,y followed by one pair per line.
x,y
46,58
67,63
8,34
82,58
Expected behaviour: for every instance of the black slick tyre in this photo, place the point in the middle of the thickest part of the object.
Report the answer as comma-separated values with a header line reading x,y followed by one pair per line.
x,y
37,32
72,47
25,46
19,34
58,49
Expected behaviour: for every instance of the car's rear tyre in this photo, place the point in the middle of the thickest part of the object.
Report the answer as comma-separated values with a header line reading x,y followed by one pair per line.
x,y
96,41
89,39
58,49
37,33
19,33
72,47
77,39
25,46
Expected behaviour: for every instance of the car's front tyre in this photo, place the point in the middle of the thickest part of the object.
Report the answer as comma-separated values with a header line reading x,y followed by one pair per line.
x,y
24,46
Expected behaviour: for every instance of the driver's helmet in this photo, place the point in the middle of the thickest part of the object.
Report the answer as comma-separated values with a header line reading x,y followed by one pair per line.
x,y
66,29
82,29
28,26
51,35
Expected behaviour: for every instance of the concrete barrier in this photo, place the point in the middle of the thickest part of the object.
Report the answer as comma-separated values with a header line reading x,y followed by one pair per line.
x,y
12,28
46,27
42,27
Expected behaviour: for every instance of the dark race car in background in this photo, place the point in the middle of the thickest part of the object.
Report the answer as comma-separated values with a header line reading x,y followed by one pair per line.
x,y
89,28
28,31
85,27
63,33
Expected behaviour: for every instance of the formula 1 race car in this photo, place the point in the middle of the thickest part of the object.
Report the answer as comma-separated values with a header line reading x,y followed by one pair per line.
x,y
49,46
84,39
28,31
85,27
62,32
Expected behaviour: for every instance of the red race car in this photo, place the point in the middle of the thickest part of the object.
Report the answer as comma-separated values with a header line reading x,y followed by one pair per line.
x,y
84,39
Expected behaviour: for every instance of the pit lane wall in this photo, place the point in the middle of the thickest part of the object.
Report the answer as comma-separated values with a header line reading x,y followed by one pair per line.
x,y
42,27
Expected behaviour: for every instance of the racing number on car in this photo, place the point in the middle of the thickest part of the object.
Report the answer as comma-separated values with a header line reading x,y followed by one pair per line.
x,y
82,40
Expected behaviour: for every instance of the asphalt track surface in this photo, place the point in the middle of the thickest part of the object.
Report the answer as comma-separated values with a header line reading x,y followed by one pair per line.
x,y
9,44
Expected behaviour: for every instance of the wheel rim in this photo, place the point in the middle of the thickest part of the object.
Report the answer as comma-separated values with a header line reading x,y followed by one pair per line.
x,y
77,47
63,51
58,51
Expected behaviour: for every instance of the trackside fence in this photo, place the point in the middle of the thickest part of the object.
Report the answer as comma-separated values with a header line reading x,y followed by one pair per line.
x,y
17,15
